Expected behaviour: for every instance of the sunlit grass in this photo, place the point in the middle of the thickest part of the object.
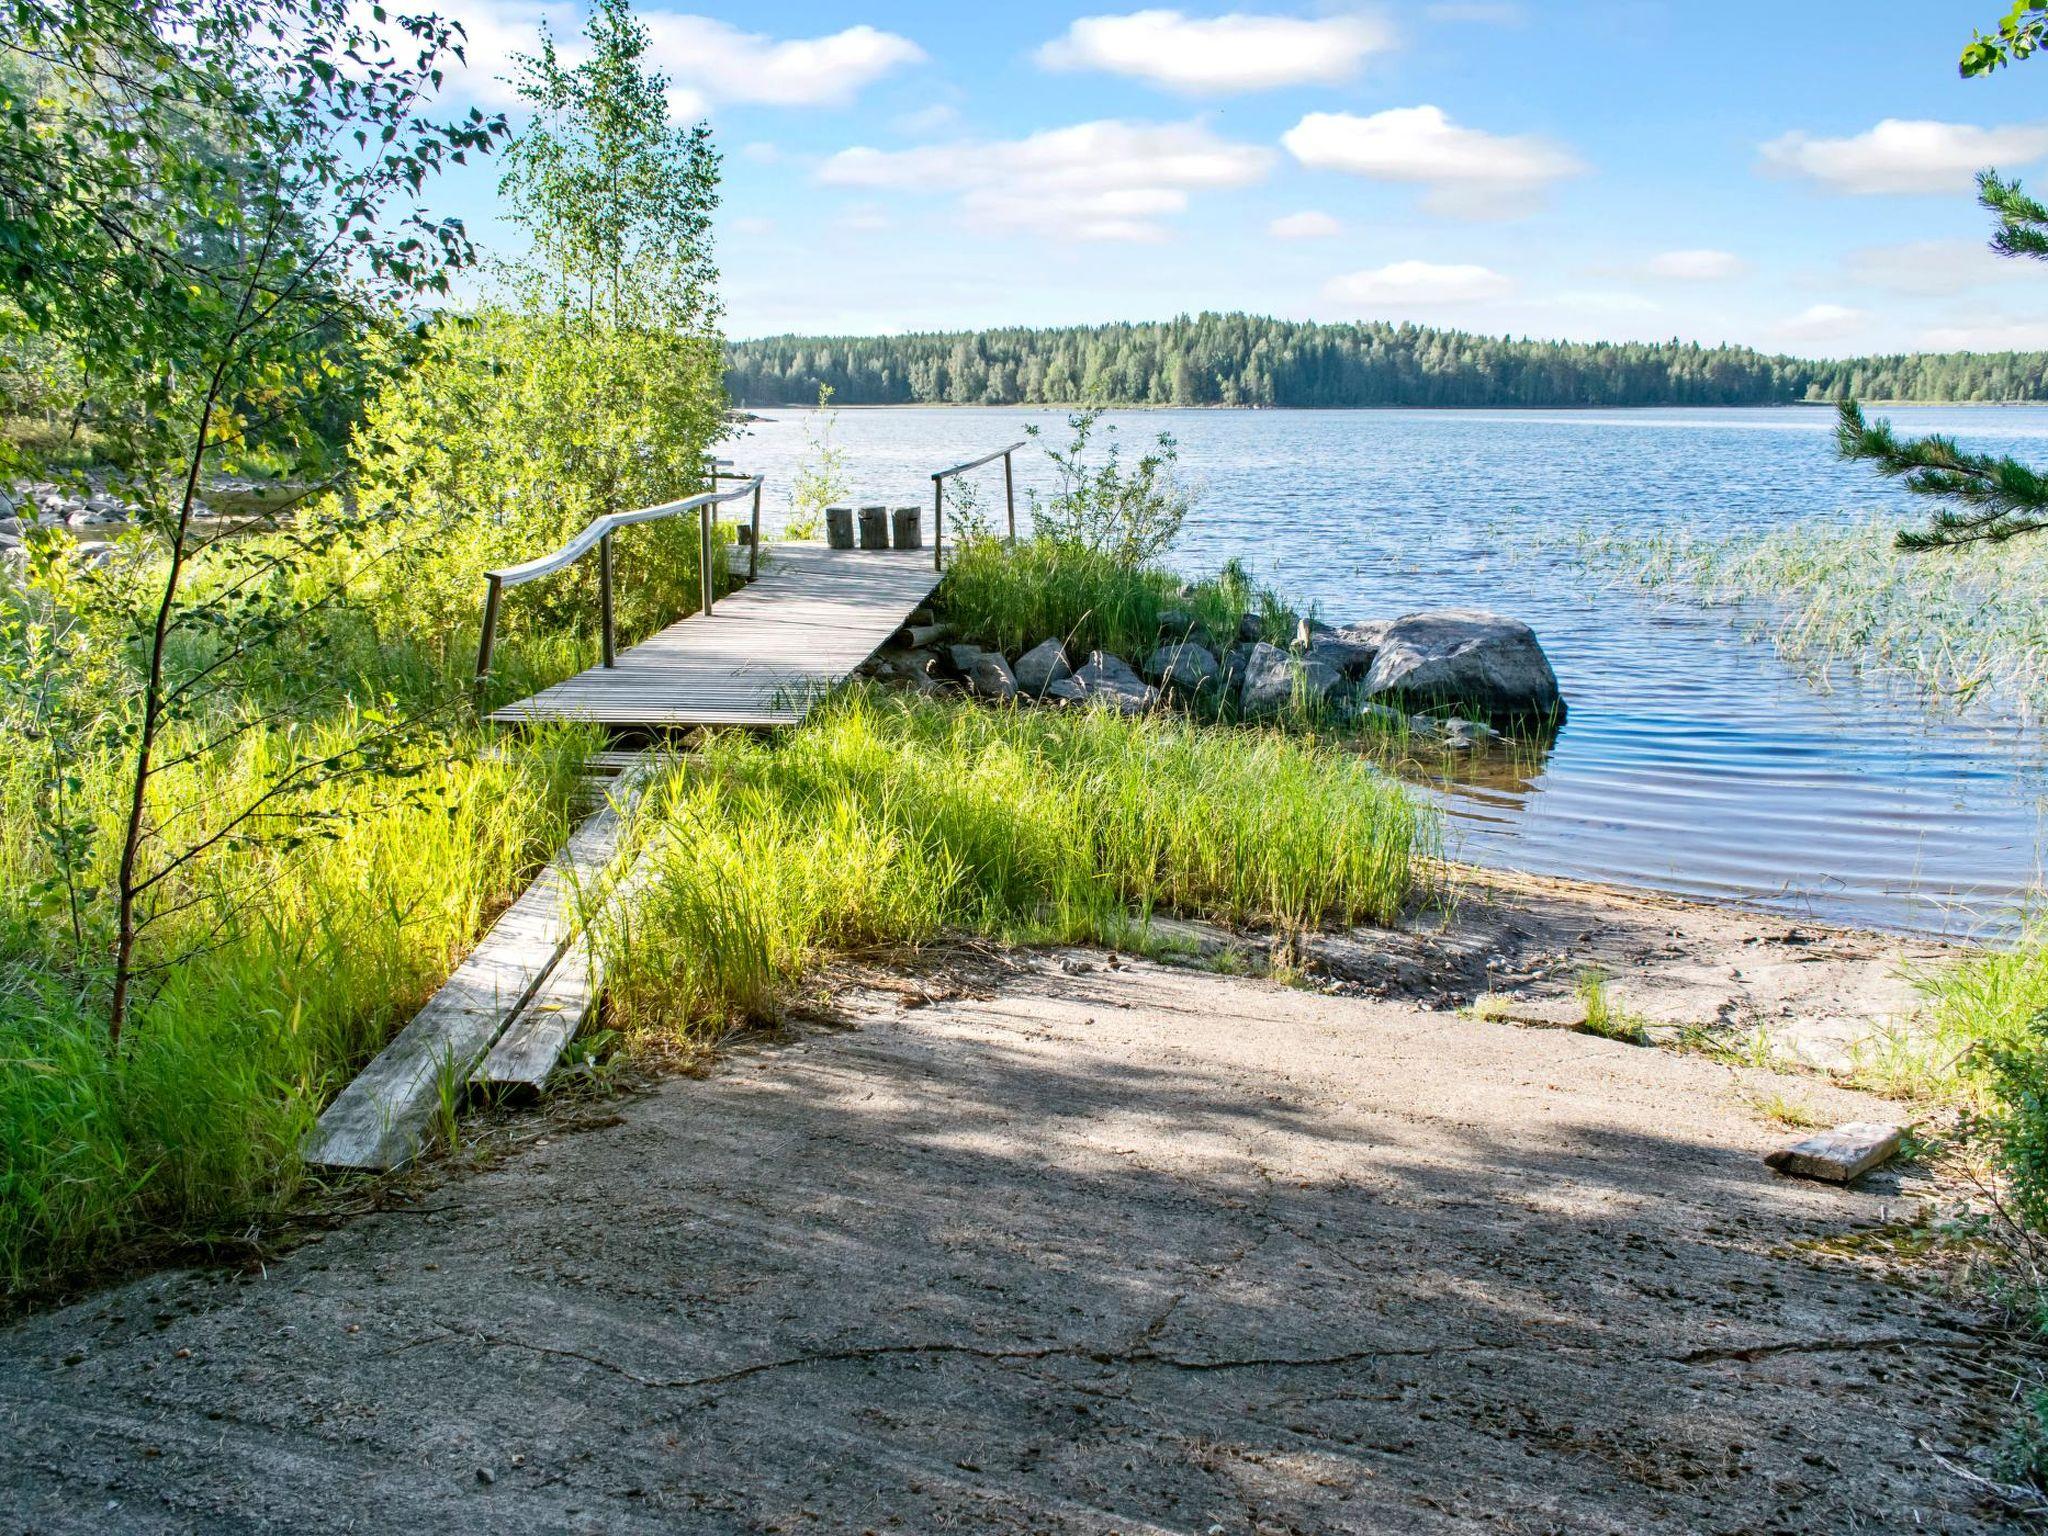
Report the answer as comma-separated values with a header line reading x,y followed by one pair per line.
x,y
886,822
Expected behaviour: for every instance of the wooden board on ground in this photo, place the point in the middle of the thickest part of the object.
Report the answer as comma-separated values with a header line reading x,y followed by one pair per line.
x,y
763,656
380,1120
1847,1152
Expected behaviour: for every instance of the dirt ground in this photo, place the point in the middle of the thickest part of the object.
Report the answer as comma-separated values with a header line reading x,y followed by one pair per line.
x,y
1096,1246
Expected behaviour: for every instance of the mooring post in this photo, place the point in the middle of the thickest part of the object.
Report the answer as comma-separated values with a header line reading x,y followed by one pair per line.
x,y
1010,494
938,522
608,634
494,589
754,543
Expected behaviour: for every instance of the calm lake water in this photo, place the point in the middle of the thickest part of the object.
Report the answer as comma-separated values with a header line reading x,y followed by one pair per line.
x,y
1694,761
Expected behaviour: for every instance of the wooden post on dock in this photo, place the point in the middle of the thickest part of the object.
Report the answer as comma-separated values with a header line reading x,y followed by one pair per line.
x,y
1010,496
604,601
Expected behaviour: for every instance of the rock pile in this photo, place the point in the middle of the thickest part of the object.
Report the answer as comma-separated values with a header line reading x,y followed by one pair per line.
x,y
1457,676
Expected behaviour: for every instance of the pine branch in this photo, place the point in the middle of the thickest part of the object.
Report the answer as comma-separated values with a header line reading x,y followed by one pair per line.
x,y
2022,220
2002,498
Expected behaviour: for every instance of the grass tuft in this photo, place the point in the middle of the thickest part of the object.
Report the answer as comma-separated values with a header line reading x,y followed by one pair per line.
x,y
886,821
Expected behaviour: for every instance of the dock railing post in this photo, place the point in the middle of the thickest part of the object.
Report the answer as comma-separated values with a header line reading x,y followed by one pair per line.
x,y
1010,494
938,522
754,541
494,591
704,582
608,633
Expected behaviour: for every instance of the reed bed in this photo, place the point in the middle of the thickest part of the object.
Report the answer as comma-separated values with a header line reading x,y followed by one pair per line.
x,y
888,821
1965,626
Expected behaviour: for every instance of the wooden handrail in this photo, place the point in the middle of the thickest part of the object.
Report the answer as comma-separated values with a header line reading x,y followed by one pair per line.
x,y
941,476
598,535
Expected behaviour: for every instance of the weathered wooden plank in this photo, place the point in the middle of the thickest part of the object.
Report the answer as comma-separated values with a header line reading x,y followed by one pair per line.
x,y
379,1120
537,1035
762,657
1838,1156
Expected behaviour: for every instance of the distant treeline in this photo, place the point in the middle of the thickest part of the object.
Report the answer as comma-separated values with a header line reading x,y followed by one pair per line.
x,y
1245,360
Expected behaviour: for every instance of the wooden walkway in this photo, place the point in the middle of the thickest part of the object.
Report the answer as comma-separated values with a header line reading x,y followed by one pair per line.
x,y
763,655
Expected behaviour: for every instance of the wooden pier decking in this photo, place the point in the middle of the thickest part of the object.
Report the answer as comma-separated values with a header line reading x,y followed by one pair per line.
x,y
762,656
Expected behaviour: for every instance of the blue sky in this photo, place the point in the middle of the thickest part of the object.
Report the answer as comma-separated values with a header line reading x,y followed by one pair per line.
x,y
1791,176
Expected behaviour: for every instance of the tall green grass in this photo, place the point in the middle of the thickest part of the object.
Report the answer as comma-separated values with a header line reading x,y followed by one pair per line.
x,y
1966,625
886,821
189,1129
1013,597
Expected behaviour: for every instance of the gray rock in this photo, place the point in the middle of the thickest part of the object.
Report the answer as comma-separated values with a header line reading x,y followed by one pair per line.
x,y
963,657
1188,669
1042,666
915,670
1251,625
991,678
11,525
1268,686
1066,690
1465,734
1490,664
1275,681
1108,679
1176,621
1351,649
1379,717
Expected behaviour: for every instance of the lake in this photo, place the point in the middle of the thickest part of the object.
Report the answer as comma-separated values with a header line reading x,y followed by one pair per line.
x,y
1695,761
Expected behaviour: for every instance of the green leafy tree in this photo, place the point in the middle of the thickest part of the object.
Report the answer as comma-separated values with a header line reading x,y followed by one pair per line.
x,y
196,198
1997,497
2018,36
592,382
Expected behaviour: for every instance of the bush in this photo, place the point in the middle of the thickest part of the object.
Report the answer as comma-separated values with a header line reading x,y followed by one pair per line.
x,y
885,821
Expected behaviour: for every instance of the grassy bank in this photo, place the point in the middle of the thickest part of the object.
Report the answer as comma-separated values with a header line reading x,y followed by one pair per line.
x,y
1967,625
1012,597
886,821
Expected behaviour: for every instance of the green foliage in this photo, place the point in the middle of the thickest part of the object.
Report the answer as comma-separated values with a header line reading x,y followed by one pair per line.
x,y
596,391
2015,1076
1605,1015
1131,513
618,203
2018,37
821,475
191,1128
1236,359
2022,220
2002,497
885,821
1012,597
510,433
201,197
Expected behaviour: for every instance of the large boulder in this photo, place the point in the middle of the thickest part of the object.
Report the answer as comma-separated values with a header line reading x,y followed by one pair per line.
x,y
1185,669
1488,664
1042,666
1351,650
1108,679
1274,681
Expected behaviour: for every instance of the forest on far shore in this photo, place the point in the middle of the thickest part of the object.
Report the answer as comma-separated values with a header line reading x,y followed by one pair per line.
x,y
1246,360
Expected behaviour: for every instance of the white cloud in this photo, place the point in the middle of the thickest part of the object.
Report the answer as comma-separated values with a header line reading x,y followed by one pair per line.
x,y
1227,53
1105,180
1823,322
1306,225
707,61
1904,156
2004,335
1934,267
1469,172
1405,284
1701,266
724,63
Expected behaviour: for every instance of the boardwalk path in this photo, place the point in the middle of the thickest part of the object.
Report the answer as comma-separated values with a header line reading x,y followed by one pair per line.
x,y
762,656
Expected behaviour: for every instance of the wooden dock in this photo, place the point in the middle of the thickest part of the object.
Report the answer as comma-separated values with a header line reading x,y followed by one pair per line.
x,y
763,655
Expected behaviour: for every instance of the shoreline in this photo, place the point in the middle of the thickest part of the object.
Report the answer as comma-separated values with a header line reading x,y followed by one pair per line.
x,y
812,408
